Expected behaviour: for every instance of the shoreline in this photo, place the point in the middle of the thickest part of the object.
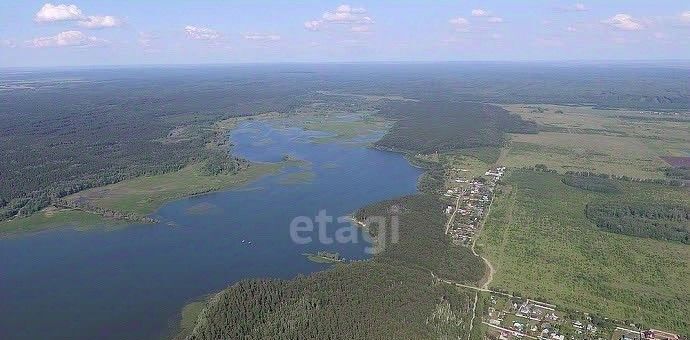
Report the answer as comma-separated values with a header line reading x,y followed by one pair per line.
x,y
68,214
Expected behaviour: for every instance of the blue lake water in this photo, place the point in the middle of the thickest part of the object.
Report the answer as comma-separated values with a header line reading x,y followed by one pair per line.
x,y
130,283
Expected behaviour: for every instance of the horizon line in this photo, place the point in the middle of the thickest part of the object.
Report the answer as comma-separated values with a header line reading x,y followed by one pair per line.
x,y
383,62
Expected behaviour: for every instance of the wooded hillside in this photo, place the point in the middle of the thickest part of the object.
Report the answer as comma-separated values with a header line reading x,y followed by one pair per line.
x,y
392,296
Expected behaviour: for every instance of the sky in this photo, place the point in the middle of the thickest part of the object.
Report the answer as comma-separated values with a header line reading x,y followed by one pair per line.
x,y
126,32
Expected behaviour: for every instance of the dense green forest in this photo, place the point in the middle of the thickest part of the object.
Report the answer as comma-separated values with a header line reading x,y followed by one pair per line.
x,y
391,296
423,243
592,183
60,139
431,126
355,301
642,219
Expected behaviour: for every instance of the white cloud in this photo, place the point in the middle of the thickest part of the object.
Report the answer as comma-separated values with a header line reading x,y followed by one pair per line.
x,y
460,24
480,13
51,13
345,14
96,22
354,17
66,39
262,37
62,12
624,22
201,33
313,25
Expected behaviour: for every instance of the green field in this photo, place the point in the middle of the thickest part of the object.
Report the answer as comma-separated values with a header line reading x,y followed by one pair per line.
x,y
579,138
143,195
345,129
542,246
52,217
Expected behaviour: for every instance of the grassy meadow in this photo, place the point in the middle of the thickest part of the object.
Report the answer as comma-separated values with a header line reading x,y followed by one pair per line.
x,y
143,195
53,217
621,142
542,246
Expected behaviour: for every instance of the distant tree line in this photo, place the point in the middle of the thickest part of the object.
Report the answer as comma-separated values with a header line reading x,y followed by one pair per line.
x,y
436,126
592,183
626,178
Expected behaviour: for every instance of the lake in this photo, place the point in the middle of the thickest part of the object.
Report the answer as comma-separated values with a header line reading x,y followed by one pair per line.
x,y
131,283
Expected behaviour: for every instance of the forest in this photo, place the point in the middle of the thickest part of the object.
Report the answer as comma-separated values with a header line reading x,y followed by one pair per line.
x,y
391,296
61,139
66,130
436,126
642,219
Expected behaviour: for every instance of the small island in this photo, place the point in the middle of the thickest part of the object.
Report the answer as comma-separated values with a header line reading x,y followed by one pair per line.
x,y
324,257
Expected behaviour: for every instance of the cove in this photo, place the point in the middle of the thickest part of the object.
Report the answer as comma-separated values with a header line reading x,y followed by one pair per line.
x,y
130,283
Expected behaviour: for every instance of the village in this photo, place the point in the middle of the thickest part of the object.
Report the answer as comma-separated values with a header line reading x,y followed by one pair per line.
x,y
472,198
469,196
510,317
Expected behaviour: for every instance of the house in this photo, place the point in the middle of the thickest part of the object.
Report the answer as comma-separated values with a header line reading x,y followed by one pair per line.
x,y
654,334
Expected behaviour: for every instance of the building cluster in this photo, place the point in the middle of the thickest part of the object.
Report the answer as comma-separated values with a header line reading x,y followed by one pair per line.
x,y
518,318
650,334
473,204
